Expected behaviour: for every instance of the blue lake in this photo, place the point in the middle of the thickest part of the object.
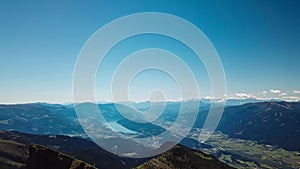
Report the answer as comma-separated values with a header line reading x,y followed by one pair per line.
x,y
119,128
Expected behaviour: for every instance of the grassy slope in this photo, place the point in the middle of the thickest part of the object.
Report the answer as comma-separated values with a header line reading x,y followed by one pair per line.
x,y
13,154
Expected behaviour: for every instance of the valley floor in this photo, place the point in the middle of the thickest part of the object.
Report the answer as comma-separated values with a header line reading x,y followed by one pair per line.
x,y
248,154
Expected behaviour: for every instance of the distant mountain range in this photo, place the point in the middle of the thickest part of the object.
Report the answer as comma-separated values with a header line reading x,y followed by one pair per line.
x,y
275,122
39,118
203,102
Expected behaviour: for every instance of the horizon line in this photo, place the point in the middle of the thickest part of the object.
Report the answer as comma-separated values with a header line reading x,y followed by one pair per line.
x,y
218,100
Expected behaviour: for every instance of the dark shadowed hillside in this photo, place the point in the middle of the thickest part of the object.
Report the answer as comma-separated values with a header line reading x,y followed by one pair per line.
x,y
76,147
276,123
41,157
14,153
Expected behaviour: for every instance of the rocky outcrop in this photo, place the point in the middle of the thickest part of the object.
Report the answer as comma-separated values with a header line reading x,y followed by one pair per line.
x,y
41,157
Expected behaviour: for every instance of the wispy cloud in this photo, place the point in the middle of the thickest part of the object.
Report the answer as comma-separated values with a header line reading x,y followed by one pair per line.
x,y
297,91
263,93
274,91
283,94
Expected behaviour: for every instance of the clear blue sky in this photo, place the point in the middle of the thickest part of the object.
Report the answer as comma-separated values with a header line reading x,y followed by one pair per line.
x,y
257,41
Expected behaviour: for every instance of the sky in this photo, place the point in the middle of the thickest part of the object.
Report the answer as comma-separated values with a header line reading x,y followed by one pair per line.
x,y
257,41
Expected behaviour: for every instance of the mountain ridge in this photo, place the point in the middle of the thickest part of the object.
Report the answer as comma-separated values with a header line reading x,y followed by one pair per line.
x,y
42,157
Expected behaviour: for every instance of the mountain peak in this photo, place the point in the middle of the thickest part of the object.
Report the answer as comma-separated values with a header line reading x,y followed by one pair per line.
x,y
182,157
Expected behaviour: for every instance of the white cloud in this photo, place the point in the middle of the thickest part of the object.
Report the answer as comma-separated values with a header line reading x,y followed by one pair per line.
x,y
208,97
283,94
274,91
266,95
244,95
263,93
297,91
291,98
